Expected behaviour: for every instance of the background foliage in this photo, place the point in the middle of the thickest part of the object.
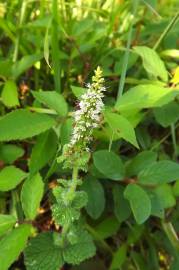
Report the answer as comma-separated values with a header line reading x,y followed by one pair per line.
x,y
48,52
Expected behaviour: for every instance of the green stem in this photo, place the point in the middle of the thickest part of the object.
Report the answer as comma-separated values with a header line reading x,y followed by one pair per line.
x,y
17,205
17,41
166,30
173,133
96,237
171,234
70,195
127,52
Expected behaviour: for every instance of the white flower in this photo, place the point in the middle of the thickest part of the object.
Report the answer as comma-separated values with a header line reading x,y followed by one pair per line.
x,y
87,117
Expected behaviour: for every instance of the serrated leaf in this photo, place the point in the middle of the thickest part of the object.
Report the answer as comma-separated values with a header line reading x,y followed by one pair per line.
x,y
152,62
82,249
145,96
42,253
139,201
66,131
121,206
10,152
43,150
109,164
31,195
140,162
121,127
6,223
64,214
96,198
10,177
160,172
21,124
53,100
10,94
13,244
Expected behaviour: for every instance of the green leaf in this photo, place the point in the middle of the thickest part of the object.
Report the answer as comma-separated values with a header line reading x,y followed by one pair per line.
x,y
66,131
140,162
13,244
21,124
43,150
82,249
25,63
107,227
10,177
139,201
109,164
119,257
10,152
156,205
10,94
96,198
121,127
160,172
152,62
167,114
175,188
165,196
6,223
42,253
121,206
53,100
145,96
78,91
31,195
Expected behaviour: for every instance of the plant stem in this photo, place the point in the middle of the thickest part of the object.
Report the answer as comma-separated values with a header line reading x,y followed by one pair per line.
x,y
17,41
166,30
17,205
126,54
55,47
70,195
171,234
173,133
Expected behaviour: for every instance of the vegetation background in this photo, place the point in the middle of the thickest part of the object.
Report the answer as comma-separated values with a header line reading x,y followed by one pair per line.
x,y
49,50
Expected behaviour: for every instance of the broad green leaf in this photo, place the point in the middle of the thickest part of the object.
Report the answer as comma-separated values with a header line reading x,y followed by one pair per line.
x,y
42,253
10,94
96,198
121,206
109,164
160,172
140,162
25,63
10,152
43,150
10,177
156,205
139,201
13,244
31,195
81,249
165,195
119,257
121,126
21,124
146,96
78,91
152,62
66,131
6,223
107,227
53,100
167,114
175,188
